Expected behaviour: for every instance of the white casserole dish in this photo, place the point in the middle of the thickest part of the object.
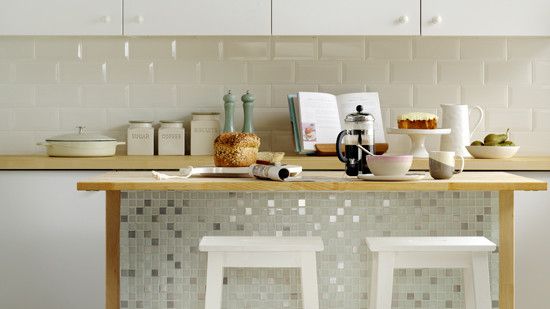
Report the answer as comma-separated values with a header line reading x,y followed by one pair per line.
x,y
81,145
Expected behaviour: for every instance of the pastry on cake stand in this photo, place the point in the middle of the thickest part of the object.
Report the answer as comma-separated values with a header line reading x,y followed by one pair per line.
x,y
418,139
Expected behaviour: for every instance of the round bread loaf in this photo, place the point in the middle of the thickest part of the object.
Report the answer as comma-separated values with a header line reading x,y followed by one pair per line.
x,y
235,149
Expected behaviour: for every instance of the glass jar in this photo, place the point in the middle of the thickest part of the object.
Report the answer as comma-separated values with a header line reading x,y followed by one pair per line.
x,y
171,138
141,138
205,127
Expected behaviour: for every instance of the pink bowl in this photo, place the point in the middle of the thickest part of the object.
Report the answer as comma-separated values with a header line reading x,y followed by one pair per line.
x,y
388,165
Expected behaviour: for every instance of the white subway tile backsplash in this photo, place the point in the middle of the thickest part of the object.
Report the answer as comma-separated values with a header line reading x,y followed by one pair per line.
x,y
318,72
129,71
412,71
526,97
371,71
17,48
35,72
542,72
540,120
152,95
488,96
118,118
529,48
217,72
261,93
105,95
508,72
483,48
200,96
460,72
436,48
336,48
16,95
65,83
532,143
18,143
186,72
198,48
341,89
6,119
435,95
270,72
92,118
247,48
389,48
279,93
58,95
393,95
103,48
302,48
62,48
82,72
151,48
5,72
502,119
29,119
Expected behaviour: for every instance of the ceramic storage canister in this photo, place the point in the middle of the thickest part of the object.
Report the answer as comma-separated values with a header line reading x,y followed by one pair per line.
x,y
171,138
205,127
141,138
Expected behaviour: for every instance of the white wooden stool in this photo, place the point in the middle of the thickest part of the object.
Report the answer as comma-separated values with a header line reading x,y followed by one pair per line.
x,y
283,252
469,253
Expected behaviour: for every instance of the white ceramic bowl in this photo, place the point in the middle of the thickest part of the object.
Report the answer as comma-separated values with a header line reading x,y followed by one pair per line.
x,y
387,165
492,152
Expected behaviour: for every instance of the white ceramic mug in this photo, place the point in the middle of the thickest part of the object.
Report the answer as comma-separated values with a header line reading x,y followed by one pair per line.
x,y
442,164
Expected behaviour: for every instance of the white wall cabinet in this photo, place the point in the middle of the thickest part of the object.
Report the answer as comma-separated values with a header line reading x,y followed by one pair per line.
x,y
486,17
349,17
60,17
197,17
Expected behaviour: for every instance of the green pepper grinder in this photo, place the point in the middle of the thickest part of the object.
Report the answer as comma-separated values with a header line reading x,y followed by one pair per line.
x,y
229,106
248,104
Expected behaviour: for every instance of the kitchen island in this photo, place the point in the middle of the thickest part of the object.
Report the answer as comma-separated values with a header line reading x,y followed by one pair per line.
x,y
153,228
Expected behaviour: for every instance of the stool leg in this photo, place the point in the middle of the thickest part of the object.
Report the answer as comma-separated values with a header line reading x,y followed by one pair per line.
x,y
310,294
469,292
480,271
382,280
214,281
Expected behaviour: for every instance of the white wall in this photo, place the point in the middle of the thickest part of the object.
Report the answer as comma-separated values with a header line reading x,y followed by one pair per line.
x,y
49,85
52,241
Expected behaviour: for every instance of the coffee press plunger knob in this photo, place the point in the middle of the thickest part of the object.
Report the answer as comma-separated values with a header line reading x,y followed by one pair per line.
x,y
359,108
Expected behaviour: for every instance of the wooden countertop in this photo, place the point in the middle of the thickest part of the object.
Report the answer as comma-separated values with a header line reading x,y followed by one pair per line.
x,y
323,181
29,162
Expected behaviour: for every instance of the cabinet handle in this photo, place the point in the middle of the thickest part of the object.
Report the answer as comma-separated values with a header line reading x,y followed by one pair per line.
x,y
403,19
140,19
437,20
106,19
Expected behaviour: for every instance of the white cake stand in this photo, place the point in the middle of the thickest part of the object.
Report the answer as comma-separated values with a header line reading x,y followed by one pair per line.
x,y
418,138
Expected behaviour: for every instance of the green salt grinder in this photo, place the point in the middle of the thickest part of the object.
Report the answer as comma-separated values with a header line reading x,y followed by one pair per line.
x,y
229,106
248,104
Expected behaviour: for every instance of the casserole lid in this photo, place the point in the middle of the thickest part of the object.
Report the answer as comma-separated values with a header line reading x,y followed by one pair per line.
x,y
81,136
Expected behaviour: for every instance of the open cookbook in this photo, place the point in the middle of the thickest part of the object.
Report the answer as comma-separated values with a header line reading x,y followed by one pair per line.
x,y
317,118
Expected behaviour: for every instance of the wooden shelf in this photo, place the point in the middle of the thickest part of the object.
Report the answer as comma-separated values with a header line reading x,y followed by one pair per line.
x,y
28,162
322,181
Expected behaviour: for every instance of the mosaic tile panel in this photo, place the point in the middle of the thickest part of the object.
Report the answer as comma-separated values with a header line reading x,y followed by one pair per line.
x,y
161,266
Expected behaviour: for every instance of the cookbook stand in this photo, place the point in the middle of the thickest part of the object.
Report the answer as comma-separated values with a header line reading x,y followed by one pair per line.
x,y
418,139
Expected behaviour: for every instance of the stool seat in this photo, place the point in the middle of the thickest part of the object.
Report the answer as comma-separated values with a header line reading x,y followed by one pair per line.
x,y
260,244
430,244
468,253
260,251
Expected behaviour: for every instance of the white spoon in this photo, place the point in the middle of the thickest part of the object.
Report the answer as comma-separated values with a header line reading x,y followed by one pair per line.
x,y
365,150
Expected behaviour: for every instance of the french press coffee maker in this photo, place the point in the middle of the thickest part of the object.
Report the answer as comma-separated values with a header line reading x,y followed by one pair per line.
x,y
358,130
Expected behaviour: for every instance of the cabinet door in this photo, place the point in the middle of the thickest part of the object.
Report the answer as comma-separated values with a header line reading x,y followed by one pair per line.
x,y
485,17
197,17
60,17
347,17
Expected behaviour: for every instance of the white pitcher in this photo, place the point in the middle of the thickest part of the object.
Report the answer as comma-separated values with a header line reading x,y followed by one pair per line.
x,y
457,118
